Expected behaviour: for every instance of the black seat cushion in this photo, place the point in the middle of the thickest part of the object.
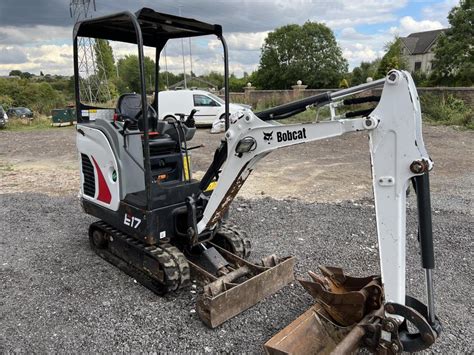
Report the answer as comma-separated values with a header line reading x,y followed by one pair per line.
x,y
129,105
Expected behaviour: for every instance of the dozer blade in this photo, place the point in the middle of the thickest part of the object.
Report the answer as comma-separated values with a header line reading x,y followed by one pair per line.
x,y
227,296
334,323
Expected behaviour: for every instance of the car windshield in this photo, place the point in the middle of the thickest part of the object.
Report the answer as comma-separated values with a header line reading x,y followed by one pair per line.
x,y
23,110
217,98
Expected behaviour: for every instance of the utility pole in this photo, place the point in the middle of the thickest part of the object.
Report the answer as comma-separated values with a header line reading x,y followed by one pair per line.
x,y
190,59
93,81
182,54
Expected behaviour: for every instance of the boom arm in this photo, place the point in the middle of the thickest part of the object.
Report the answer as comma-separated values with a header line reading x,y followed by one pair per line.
x,y
397,152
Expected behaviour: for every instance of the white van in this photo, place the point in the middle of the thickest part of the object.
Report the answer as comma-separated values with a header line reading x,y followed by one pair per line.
x,y
209,106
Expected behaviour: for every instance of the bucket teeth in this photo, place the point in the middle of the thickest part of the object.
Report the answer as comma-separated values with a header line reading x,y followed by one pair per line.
x,y
346,299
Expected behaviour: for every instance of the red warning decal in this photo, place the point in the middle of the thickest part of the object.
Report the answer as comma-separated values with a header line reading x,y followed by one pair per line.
x,y
104,192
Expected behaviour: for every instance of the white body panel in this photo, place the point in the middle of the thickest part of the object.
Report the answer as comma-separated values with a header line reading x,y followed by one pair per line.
x,y
183,101
394,145
95,145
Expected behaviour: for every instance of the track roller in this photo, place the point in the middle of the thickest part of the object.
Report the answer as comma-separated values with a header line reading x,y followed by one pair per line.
x,y
161,268
234,240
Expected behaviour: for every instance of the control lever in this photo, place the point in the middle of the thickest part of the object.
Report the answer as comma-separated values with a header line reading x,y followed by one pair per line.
x,y
180,115
127,122
197,146
190,122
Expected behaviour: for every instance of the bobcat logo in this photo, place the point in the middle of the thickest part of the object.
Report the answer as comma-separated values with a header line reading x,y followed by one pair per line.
x,y
268,136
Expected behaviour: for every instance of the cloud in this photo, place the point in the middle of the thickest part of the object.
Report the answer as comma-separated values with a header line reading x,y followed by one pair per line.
x,y
358,47
28,26
409,25
439,11
243,41
39,33
349,33
235,16
12,56
26,13
53,59
357,53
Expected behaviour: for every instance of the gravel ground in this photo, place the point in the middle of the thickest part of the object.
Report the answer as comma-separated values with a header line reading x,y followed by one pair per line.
x,y
59,296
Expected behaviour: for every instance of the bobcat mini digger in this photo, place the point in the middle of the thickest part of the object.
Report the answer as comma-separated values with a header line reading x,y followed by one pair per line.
x,y
163,227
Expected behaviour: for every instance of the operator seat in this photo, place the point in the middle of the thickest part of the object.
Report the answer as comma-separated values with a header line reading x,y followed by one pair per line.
x,y
129,106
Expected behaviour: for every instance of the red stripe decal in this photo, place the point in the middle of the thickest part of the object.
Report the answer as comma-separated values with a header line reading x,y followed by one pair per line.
x,y
104,192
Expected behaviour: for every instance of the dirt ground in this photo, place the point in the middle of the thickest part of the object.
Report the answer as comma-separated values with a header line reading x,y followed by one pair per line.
x,y
330,170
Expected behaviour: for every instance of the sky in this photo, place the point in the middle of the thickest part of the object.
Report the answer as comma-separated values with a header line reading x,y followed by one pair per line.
x,y
36,35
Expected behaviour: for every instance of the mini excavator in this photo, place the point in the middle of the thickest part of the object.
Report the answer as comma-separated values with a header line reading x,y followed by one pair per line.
x,y
164,228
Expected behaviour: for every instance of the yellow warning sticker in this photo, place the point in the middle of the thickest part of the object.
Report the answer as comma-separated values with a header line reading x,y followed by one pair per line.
x,y
211,186
186,164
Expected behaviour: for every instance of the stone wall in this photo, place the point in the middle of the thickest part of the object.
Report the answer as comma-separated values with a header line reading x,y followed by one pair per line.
x,y
260,99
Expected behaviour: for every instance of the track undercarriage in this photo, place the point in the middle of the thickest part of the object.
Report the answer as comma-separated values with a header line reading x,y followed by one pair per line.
x,y
230,283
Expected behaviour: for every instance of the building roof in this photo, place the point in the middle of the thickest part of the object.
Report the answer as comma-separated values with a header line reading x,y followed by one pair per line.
x,y
420,42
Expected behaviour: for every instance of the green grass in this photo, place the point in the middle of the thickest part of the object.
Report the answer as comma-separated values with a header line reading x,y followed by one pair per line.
x,y
20,124
5,168
447,110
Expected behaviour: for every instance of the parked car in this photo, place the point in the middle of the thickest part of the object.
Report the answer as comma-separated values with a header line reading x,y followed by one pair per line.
x,y
209,106
20,112
3,117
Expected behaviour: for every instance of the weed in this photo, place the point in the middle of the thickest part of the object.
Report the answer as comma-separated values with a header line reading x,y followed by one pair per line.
x,y
447,110
39,122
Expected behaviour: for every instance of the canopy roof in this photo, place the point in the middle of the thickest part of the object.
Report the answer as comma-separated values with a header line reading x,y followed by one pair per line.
x,y
156,27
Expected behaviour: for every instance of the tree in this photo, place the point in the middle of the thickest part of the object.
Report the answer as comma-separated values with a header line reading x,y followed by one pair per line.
x,y
309,53
40,97
454,51
364,71
105,55
15,73
393,59
129,74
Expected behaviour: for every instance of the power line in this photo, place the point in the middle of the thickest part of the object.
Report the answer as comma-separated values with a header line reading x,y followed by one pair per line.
x,y
93,83
190,58
182,54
